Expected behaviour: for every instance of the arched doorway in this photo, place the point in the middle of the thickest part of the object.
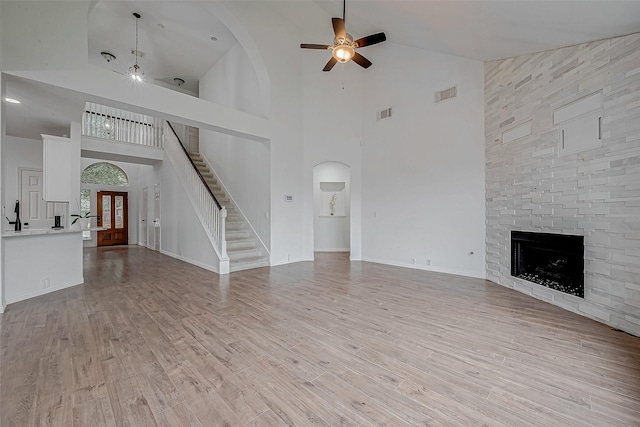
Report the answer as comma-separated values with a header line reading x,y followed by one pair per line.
x,y
332,207
104,192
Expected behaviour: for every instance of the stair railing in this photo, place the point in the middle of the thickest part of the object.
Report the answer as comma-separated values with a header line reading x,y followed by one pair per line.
x,y
100,121
211,213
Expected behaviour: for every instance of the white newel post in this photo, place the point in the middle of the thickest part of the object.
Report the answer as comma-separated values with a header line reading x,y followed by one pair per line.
x,y
223,237
224,258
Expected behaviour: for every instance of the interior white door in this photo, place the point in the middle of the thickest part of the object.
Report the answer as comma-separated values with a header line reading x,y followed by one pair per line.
x,y
156,219
33,209
144,215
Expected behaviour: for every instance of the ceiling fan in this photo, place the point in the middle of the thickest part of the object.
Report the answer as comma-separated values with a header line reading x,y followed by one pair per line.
x,y
344,47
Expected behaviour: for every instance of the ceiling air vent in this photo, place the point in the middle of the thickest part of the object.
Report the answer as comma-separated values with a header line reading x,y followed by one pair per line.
x,y
446,94
384,114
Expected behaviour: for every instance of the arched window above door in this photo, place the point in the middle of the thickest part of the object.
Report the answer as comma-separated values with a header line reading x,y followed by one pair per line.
x,y
104,173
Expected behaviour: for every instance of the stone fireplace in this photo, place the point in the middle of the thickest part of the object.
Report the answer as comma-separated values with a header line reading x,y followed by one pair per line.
x,y
552,260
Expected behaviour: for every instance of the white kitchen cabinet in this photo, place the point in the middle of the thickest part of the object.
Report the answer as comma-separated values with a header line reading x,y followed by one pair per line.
x,y
56,165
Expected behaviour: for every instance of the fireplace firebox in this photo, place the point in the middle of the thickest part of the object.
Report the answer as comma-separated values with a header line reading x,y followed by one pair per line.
x,y
552,260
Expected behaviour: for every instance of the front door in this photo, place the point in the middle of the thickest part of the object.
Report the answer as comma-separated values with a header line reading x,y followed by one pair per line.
x,y
112,215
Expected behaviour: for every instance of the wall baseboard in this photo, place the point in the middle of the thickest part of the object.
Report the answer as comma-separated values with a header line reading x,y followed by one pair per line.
x,y
190,261
333,250
435,269
39,292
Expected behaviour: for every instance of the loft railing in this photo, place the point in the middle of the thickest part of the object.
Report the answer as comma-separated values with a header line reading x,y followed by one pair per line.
x,y
212,215
100,121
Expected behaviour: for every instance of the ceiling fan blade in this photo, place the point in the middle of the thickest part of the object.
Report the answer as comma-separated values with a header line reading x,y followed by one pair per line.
x,y
361,60
338,28
369,40
330,64
315,46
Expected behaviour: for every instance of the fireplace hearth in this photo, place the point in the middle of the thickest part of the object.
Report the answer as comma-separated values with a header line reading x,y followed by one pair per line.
x,y
552,260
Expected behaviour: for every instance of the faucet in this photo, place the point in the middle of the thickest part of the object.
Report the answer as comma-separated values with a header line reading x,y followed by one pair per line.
x,y
17,224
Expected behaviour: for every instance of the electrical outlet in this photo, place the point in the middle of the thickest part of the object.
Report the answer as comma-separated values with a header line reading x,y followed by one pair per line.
x,y
413,261
46,283
288,257
428,262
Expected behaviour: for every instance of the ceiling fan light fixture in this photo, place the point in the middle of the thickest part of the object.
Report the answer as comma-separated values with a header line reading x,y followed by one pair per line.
x,y
344,47
343,53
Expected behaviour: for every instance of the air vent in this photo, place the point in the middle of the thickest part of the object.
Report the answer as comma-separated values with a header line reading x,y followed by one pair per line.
x,y
443,95
384,114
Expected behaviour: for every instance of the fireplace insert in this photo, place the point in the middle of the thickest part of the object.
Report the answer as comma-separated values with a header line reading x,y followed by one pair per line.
x,y
552,260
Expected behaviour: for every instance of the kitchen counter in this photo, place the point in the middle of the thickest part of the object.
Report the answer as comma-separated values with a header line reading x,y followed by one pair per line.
x,y
37,232
42,261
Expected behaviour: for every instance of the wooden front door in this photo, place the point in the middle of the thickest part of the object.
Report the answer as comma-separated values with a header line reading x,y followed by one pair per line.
x,y
112,215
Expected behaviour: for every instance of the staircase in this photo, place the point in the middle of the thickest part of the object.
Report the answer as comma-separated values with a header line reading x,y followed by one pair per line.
x,y
243,248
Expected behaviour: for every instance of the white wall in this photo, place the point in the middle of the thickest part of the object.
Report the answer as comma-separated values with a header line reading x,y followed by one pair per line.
x,y
23,153
17,153
243,166
423,168
182,235
2,180
277,41
331,233
232,81
332,133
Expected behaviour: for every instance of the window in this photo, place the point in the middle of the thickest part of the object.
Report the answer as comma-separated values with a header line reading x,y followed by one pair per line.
x,y
104,173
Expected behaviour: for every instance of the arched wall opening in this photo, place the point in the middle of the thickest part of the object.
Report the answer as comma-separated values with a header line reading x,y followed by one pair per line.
x,y
332,207
99,175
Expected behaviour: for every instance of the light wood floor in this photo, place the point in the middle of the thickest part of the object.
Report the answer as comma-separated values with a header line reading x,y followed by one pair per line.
x,y
149,340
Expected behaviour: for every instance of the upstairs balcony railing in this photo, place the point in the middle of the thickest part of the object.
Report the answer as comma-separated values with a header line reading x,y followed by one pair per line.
x,y
100,121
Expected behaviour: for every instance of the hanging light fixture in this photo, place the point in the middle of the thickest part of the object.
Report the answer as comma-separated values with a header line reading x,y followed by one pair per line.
x,y
135,72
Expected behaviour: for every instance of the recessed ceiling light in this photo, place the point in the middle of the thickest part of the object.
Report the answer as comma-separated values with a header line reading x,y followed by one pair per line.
x,y
11,100
213,39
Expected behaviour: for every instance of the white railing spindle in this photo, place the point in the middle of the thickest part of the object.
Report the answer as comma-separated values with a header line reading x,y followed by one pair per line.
x,y
125,126
212,218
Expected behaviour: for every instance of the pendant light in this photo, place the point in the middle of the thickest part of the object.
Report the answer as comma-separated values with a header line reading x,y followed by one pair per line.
x,y
135,72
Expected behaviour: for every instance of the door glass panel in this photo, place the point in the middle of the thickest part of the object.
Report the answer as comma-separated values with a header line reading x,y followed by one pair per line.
x,y
106,211
85,208
119,211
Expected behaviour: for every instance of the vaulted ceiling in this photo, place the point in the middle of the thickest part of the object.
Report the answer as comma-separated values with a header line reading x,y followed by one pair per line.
x,y
175,37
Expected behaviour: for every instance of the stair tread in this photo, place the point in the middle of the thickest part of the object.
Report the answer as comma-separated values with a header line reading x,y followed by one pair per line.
x,y
249,266
251,260
238,238
243,249
240,245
